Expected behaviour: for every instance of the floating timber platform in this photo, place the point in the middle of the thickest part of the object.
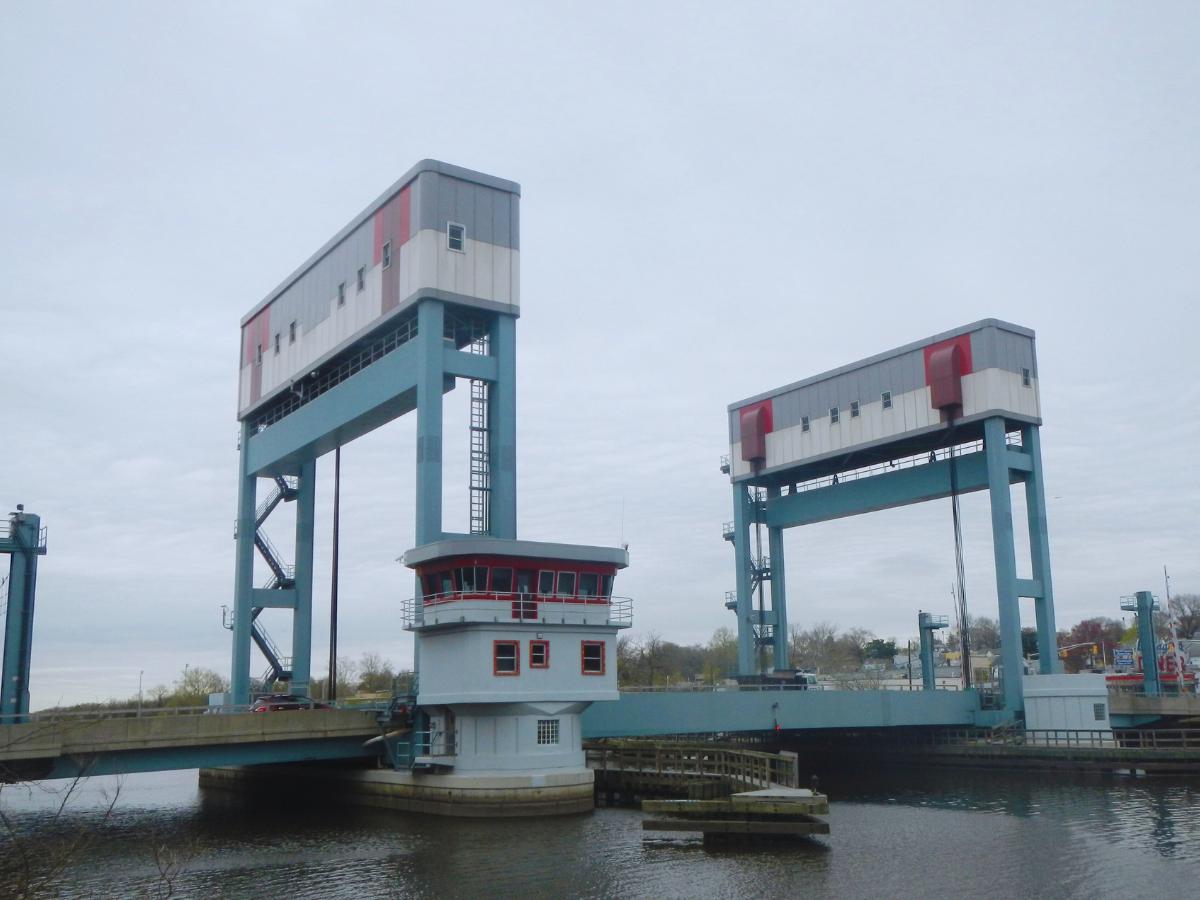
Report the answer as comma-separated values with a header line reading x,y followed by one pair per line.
x,y
774,811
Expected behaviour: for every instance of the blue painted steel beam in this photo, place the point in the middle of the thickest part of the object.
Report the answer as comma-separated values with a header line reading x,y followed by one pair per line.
x,y
23,544
999,475
742,518
428,373
1151,683
243,577
648,713
1039,553
902,487
502,422
779,626
306,498
273,598
248,754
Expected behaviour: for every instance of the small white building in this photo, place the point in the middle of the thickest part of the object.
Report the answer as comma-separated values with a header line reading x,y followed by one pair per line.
x,y
514,639
1066,703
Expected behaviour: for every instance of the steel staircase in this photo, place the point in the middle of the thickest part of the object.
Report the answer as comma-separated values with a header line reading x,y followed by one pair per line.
x,y
481,464
282,577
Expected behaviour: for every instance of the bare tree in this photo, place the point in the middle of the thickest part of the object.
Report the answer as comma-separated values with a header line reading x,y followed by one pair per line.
x,y
30,864
375,673
1186,609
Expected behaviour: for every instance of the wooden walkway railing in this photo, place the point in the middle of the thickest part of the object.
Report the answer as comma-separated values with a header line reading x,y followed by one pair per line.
x,y
744,770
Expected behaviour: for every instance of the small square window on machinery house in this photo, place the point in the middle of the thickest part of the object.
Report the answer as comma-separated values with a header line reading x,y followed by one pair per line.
x,y
456,237
292,332
362,278
547,731
834,415
854,409
387,254
804,423
342,294
886,397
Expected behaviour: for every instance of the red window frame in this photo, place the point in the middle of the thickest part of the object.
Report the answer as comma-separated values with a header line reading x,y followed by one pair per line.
x,y
583,645
516,645
545,646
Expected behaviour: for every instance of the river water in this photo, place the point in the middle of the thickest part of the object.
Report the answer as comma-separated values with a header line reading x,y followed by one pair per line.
x,y
910,833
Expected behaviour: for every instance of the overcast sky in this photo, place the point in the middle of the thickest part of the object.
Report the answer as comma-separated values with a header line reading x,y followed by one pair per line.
x,y
717,199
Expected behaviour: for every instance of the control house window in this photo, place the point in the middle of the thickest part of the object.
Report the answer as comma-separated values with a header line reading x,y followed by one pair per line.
x,y
539,654
886,397
387,254
566,584
502,580
804,423
547,731
342,294
854,409
456,237
545,583
834,415
592,658
506,658
589,584
362,278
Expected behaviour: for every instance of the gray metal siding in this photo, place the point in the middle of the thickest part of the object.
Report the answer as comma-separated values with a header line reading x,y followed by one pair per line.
x,y
993,345
308,300
486,213
426,167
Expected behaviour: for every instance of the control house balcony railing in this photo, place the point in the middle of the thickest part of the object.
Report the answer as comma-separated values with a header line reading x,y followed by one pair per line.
x,y
497,606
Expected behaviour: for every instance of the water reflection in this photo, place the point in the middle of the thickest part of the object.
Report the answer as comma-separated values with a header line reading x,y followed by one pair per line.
x,y
925,833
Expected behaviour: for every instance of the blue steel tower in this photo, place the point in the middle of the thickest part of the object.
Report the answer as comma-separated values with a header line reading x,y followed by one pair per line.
x,y
954,413
420,290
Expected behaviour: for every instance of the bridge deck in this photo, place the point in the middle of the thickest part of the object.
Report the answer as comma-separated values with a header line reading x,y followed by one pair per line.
x,y
66,746
646,713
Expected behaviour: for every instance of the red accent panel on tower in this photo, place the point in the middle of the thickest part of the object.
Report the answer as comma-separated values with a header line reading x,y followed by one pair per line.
x,y
256,333
756,422
945,364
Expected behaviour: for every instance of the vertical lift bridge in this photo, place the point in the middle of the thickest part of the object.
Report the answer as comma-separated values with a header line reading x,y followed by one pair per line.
x,y
956,412
419,290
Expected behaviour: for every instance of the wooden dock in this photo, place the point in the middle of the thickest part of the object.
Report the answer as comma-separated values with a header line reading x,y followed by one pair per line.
x,y
775,811
731,791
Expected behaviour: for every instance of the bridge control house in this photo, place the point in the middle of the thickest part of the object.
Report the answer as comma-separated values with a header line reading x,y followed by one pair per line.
x,y
515,639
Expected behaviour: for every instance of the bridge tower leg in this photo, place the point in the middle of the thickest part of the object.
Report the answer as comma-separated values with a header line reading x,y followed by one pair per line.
x,y
243,589
502,423
1004,550
306,495
927,624
779,633
1039,551
1151,682
24,544
431,319
743,515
